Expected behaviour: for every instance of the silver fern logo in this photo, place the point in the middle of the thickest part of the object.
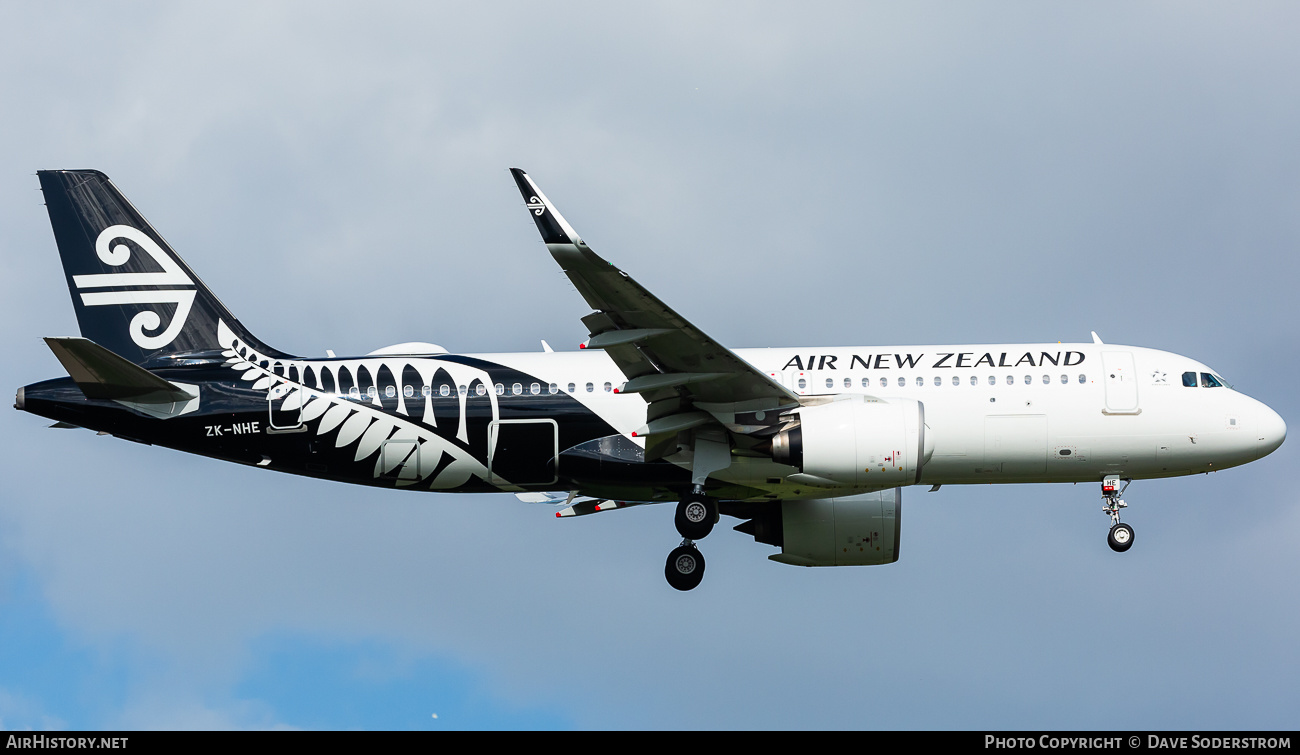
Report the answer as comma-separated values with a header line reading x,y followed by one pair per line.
x,y
536,205
408,444
172,275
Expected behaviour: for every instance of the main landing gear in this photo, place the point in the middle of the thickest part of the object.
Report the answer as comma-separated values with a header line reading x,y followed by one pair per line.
x,y
696,515
1121,535
685,567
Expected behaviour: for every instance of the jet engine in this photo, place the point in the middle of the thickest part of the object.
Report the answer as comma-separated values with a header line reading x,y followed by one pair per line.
x,y
858,441
859,530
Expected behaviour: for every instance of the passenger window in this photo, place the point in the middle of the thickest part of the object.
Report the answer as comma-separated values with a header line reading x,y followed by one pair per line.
x,y
371,392
993,380
884,382
1189,379
501,389
480,389
354,393
463,390
535,389
590,387
572,387
830,382
938,381
408,391
1083,379
920,382
609,387
866,382
848,382
803,384
552,389
902,382
390,391
444,390
1029,380
974,380
956,380
1065,380
426,390
516,389
1047,380
1011,380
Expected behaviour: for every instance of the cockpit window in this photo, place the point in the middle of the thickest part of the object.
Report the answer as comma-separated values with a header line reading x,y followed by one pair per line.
x,y
1189,379
1210,381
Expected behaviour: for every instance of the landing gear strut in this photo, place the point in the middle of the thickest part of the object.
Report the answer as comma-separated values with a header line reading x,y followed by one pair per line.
x,y
1121,535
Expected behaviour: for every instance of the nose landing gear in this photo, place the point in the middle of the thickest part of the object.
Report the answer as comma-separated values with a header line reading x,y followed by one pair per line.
x,y
1120,538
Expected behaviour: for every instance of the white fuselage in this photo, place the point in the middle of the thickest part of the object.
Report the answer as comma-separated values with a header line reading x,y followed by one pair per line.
x,y
995,413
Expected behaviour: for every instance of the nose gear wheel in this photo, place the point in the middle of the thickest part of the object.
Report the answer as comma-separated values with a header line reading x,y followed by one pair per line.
x,y
1120,538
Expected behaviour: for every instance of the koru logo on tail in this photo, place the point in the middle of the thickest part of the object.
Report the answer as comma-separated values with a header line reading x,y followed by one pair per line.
x,y
536,205
172,276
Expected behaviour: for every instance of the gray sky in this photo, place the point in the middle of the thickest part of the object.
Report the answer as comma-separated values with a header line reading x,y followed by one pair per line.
x,y
831,174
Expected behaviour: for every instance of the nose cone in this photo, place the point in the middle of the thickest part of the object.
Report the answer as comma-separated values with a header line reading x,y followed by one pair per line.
x,y
1271,433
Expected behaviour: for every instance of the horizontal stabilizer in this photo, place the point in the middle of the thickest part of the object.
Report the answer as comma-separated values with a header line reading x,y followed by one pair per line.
x,y
101,374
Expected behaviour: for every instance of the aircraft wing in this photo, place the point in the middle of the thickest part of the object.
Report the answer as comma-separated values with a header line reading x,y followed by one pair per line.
x,y
674,365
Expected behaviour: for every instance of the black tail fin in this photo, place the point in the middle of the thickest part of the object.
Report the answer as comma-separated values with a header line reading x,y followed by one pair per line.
x,y
133,294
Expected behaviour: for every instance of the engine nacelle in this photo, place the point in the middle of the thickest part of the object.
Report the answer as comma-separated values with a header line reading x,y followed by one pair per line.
x,y
859,530
859,441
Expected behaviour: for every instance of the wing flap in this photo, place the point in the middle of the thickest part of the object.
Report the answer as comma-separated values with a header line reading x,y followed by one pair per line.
x,y
595,506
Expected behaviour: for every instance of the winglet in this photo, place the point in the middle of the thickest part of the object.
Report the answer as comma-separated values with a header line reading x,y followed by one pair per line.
x,y
102,374
553,227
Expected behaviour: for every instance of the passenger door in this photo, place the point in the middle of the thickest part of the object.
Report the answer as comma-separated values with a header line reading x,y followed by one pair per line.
x,y
1120,379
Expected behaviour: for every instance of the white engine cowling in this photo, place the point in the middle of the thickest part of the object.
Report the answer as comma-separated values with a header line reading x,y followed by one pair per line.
x,y
859,441
858,530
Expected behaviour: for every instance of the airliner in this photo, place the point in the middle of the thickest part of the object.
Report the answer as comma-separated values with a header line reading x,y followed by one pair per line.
x,y
809,448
